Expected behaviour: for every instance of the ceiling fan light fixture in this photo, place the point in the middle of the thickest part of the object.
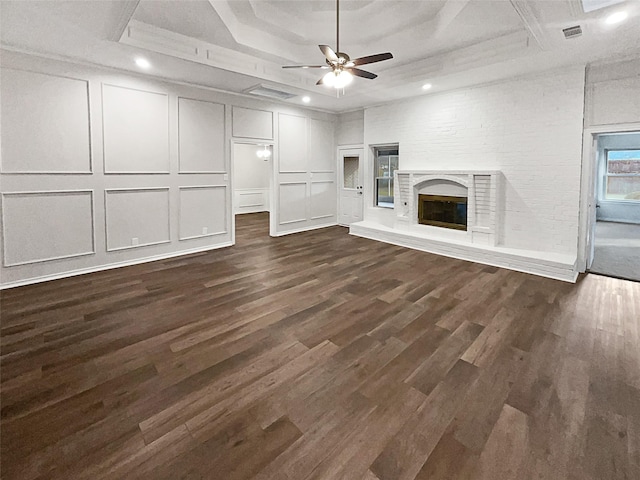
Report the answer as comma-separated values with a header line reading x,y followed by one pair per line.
x,y
337,79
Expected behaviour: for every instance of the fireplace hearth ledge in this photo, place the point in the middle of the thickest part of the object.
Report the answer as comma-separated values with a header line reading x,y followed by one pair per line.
x,y
546,264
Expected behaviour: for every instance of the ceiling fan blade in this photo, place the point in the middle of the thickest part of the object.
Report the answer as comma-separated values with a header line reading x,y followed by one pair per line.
x,y
305,66
371,59
321,81
329,53
361,73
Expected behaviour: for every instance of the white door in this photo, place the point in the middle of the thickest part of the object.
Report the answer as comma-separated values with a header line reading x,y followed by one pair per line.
x,y
593,199
350,191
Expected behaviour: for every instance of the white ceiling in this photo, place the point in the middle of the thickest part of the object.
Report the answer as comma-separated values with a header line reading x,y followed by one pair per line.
x,y
236,44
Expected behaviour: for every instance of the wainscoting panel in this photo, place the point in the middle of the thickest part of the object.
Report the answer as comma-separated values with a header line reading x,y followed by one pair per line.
x,y
321,142
292,133
203,211
250,123
45,123
323,199
251,200
293,202
200,136
44,226
136,130
136,217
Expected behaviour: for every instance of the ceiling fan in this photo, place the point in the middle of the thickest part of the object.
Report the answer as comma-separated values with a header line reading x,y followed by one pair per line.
x,y
342,67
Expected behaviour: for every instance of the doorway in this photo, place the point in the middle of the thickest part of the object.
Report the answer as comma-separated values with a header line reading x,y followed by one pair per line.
x,y
351,185
252,187
615,232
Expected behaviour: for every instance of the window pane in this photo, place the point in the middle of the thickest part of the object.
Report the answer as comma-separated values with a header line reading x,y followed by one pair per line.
x,y
623,161
623,175
623,188
351,167
384,192
386,164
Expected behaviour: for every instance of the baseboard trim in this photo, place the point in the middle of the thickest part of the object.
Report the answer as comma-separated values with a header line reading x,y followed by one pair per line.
x,y
564,271
305,229
110,266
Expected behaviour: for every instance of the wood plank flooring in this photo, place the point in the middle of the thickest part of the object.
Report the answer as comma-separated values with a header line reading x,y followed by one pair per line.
x,y
320,356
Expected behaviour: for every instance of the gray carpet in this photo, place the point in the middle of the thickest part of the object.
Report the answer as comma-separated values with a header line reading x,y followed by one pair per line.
x,y
617,250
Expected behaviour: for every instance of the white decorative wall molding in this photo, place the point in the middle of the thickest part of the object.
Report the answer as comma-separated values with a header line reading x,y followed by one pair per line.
x,y
323,201
201,134
55,224
293,143
146,222
200,211
292,202
251,123
135,126
58,110
251,200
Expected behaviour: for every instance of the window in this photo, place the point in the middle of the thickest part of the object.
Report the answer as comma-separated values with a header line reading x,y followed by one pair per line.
x,y
386,163
622,177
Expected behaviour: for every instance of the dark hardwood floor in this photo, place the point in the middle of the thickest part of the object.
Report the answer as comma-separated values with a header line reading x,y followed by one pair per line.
x,y
320,356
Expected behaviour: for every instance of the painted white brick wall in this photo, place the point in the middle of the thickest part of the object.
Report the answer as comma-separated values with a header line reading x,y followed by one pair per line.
x,y
613,93
529,128
350,129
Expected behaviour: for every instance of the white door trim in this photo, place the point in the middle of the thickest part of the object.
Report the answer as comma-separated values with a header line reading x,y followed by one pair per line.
x,y
341,151
588,187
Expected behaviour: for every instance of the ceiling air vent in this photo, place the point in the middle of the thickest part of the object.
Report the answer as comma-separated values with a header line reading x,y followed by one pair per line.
x,y
572,32
269,92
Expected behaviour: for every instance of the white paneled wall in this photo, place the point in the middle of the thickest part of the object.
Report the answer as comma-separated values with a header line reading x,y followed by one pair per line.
x,y
135,123
306,174
137,217
47,226
201,150
530,129
197,217
57,108
103,169
252,123
351,128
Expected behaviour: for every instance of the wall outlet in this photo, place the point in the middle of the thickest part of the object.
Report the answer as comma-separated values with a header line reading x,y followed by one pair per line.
x,y
225,177
205,230
134,241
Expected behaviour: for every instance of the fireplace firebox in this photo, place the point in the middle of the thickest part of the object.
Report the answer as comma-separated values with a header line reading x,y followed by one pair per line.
x,y
443,211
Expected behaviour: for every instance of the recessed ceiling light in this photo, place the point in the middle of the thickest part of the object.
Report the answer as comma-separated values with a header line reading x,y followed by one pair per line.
x,y
142,62
616,18
426,86
306,99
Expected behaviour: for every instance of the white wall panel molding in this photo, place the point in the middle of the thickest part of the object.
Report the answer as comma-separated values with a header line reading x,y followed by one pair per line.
x,y
293,141
45,124
323,200
321,146
60,226
292,202
136,217
135,130
201,133
251,200
202,211
251,123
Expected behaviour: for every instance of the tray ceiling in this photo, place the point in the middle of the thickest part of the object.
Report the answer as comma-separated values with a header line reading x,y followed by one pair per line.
x,y
239,43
